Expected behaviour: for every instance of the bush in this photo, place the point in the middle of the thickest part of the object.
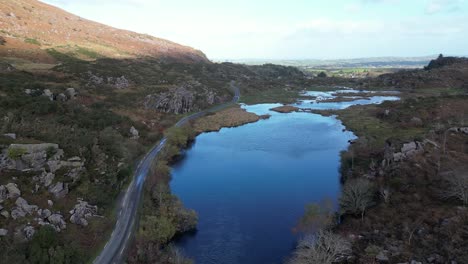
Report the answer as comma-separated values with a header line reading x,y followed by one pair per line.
x,y
357,196
16,153
323,247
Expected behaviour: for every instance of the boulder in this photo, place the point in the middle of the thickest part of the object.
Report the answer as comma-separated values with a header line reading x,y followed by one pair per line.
x,y
22,204
49,94
59,190
47,178
3,232
416,121
382,257
5,214
57,221
134,132
50,203
464,130
44,213
35,155
82,212
70,93
13,191
29,232
10,135
17,213
62,97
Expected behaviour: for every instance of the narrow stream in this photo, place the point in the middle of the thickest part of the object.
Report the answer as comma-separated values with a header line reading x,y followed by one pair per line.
x,y
250,184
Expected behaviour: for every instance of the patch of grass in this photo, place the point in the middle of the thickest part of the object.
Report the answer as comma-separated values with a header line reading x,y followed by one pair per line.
x,y
88,53
32,41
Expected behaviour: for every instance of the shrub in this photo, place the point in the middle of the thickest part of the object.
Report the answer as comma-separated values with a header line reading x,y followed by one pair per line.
x,y
457,187
316,216
16,153
357,196
323,247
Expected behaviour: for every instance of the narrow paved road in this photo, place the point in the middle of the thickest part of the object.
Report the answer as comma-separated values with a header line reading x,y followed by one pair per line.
x,y
115,249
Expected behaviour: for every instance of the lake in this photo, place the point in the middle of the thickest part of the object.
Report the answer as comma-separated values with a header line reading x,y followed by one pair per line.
x,y
250,184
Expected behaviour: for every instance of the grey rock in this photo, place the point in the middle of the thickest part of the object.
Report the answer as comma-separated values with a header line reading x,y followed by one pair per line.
x,y
59,190
13,190
82,212
382,257
44,213
29,232
10,135
416,121
134,132
5,214
47,178
70,93
464,130
415,262
61,97
57,221
54,165
28,91
3,232
17,213
50,203
49,94
177,100
36,155
23,205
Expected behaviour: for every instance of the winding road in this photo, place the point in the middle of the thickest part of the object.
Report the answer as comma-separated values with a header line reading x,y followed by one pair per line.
x,y
114,250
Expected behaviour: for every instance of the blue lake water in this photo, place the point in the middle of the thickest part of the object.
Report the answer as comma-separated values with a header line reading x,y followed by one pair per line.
x,y
250,184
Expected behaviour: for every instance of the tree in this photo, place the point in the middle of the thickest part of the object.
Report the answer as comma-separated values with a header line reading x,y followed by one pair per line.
x,y
323,247
322,75
317,216
457,187
357,196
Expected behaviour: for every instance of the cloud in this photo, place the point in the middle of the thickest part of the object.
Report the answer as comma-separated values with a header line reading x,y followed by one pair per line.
x,y
437,6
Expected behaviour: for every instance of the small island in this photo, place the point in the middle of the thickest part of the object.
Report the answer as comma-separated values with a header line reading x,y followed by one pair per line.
x,y
285,109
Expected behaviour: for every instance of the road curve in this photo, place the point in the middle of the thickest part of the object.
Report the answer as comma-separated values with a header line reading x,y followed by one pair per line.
x,y
115,249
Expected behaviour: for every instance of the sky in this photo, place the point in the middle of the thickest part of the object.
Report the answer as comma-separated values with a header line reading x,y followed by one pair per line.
x,y
293,29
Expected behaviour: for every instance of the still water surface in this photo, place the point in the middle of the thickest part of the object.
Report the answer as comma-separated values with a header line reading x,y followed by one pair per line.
x,y
250,184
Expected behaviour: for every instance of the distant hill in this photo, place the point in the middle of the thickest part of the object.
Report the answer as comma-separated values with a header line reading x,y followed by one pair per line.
x,y
31,29
375,62
443,72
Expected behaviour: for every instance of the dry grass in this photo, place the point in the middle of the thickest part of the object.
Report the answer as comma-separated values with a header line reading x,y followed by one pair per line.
x,y
285,109
231,117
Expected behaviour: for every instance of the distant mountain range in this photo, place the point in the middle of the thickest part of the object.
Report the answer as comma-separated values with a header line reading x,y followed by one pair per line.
x,y
31,29
374,62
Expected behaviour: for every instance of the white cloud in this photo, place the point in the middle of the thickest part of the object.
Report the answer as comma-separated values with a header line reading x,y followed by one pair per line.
x,y
436,6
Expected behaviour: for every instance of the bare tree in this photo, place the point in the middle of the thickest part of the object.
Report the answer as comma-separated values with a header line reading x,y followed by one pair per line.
x,y
357,196
324,247
457,187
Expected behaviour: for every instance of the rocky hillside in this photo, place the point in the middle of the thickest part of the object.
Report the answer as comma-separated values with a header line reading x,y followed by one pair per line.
x,y
443,72
30,29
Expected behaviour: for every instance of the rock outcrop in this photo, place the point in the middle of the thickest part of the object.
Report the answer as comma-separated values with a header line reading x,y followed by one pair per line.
x,y
59,190
134,133
13,190
82,212
408,150
22,208
177,100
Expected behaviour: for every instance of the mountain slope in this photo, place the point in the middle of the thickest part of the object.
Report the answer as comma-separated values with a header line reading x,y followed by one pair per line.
x,y
30,28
